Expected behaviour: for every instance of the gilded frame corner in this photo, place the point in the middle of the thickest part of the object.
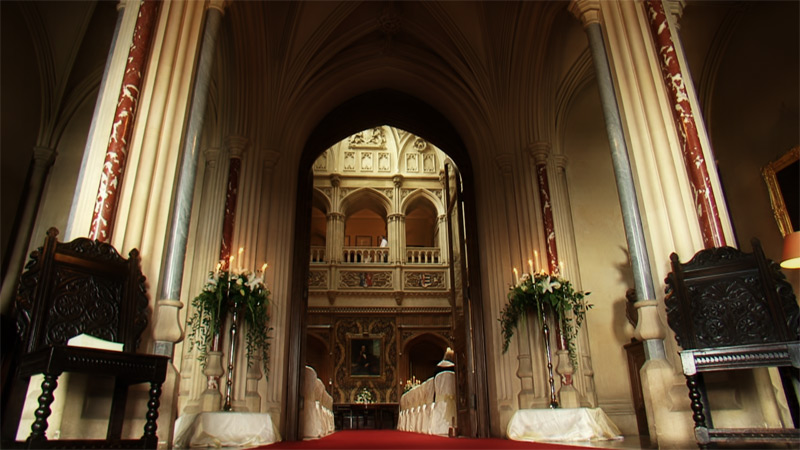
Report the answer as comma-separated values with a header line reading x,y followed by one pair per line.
x,y
769,172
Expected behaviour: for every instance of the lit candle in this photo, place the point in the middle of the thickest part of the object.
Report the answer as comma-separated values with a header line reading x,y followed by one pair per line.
x,y
230,263
536,258
530,266
219,264
241,250
516,275
264,267
561,268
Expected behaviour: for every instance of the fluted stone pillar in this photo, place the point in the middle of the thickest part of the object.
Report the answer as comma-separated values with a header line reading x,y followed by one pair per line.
x,y
43,158
167,329
657,373
441,224
335,237
526,396
585,389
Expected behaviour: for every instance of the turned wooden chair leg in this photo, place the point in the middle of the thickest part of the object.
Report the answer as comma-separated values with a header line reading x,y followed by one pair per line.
x,y
40,425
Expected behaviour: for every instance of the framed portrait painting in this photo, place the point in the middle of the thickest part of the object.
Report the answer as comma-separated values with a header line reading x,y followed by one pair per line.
x,y
365,355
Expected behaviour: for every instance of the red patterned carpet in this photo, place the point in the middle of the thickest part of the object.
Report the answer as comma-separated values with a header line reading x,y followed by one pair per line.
x,y
396,440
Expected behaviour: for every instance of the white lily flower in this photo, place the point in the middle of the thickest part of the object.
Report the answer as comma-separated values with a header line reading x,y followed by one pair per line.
x,y
548,285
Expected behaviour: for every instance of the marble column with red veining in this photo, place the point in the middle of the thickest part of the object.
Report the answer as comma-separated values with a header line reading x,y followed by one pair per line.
x,y
540,152
236,145
693,158
231,195
117,152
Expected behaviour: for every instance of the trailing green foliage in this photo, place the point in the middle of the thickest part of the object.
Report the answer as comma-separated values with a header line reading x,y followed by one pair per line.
x,y
541,292
223,292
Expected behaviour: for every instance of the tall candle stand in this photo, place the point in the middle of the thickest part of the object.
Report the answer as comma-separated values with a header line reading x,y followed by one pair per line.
x,y
232,357
551,380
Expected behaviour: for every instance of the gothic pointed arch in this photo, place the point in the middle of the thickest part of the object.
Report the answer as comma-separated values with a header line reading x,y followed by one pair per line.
x,y
364,111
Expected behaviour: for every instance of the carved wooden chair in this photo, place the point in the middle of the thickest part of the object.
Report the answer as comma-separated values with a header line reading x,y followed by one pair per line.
x,y
734,310
82,287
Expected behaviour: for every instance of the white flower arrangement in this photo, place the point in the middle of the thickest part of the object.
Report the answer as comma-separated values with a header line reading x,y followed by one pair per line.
x,y
223,292
541,291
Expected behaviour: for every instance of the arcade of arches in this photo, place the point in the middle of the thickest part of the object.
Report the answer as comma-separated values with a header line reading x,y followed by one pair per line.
x,y
472,136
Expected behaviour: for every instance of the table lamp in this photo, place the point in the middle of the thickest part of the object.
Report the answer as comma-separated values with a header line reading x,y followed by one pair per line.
x,y
791,251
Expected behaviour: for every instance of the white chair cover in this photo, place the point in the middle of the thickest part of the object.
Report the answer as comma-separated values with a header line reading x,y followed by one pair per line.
x,y
312,426
426,403
444,411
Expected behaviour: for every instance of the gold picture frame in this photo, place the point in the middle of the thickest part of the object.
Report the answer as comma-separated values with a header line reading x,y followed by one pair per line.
x,y
781,178
365,355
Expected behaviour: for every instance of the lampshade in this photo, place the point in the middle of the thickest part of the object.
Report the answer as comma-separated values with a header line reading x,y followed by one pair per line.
x,y
791,251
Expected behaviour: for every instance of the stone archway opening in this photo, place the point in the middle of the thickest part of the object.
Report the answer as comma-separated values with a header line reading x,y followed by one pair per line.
x,y
367,112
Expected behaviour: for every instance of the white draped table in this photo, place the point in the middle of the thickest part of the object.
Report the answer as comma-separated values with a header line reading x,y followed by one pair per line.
x,y
225,429
561,424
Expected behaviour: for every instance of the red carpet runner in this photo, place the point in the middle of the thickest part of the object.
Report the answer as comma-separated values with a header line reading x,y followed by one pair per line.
x,y
396,440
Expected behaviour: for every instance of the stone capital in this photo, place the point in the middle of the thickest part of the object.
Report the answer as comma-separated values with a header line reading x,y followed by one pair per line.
x,y
219,5
43,156
560,161
539,151
587,11
335,216
236,145
505,162
395,216
675,9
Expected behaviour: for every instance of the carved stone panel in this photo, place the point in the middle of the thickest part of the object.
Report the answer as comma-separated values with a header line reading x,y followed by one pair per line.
x,y
362,279
429,164
318,279
373,138
383,162
425,280
412,163
322,162
349,162
366,161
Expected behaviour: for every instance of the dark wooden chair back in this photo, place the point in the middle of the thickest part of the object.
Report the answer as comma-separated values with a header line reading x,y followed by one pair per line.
x,y
73,288
82,286
733,310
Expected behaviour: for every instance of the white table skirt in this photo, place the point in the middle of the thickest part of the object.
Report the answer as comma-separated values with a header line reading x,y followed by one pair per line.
x,y
561,424
225,429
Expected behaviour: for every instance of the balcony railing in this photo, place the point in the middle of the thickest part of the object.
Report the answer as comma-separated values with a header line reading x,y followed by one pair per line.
x,y
365,255
317,254
423,255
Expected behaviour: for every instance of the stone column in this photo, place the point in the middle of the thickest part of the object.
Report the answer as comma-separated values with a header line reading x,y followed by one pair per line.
x,y
444,256
397,223
334,235
694,158
236,146
335,238
540,152
43,158
167,329
657,372
569,255
526,396
117,152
